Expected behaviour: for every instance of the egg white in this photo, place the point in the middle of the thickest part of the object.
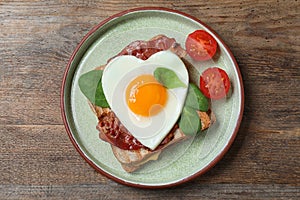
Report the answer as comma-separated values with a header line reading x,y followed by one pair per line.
x,y
119,72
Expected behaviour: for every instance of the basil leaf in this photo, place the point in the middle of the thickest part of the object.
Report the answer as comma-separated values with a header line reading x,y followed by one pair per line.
x,y
196,99
168,78
189,122
91,86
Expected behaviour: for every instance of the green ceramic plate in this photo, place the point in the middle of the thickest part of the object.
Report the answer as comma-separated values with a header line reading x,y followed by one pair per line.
x,y
179,163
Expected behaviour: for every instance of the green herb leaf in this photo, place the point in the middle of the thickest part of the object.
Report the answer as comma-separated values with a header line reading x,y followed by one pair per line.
x,y
100,99
91,86
189,122
196,99
168,78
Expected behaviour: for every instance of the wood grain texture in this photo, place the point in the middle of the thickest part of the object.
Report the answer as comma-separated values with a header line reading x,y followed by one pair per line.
x,y
37,158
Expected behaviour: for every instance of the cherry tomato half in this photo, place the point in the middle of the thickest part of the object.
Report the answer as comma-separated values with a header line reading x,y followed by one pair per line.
x,y
200,45
214,83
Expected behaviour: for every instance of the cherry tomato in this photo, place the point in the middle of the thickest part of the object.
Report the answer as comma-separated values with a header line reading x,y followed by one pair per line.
x,y
200,45
214,83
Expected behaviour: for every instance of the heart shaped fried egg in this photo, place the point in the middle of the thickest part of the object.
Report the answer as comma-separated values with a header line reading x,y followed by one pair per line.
x,y
144,106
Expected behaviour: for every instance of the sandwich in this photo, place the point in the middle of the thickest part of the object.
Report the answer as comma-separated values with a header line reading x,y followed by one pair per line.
x,y
124,125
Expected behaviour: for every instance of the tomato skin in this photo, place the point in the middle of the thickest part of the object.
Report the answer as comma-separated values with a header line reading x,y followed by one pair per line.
x,y
214,83
200,45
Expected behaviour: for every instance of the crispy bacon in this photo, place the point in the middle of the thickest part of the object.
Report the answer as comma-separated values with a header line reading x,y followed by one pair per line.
x,y
144,49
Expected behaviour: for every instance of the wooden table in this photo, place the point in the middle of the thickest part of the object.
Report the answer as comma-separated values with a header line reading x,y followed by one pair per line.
x,y
38,161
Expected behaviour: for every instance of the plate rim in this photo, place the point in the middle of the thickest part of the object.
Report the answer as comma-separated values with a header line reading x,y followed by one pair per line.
x,y
119,180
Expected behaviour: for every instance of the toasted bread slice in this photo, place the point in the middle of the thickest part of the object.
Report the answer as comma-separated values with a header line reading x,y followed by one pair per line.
x,y
132,160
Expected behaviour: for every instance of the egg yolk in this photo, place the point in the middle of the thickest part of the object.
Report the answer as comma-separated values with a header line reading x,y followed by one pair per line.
x,y
145,96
